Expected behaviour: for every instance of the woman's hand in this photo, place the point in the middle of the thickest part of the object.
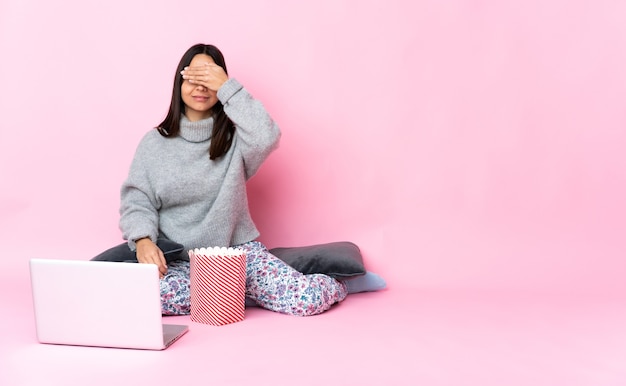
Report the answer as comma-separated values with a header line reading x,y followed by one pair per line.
x,y
149,253
209,75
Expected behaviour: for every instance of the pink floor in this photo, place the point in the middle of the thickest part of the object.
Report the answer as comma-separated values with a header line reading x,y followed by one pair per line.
x,y
395,337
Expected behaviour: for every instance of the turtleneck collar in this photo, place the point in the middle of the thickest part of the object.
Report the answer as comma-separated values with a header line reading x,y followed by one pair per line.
x,y
198,131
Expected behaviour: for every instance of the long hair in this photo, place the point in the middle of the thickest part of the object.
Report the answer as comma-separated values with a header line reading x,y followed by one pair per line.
x,y
223,127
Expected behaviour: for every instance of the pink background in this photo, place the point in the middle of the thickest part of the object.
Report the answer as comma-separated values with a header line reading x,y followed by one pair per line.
x,y
469,147
465,144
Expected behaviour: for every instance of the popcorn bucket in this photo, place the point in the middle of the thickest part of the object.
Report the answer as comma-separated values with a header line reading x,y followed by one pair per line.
x,y
218,285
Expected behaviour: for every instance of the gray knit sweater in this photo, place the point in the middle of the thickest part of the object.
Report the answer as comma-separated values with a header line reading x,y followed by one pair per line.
x,y
174,190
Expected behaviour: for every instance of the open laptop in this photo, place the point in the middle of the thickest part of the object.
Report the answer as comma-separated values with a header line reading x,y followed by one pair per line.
x,y
103,304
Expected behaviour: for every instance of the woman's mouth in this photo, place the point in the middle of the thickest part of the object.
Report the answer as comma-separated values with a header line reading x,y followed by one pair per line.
x,y
199,98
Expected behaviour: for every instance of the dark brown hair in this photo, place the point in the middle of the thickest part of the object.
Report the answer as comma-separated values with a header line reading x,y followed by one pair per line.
x,y
223,127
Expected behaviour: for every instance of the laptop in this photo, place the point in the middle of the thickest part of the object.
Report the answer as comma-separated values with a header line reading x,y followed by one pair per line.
x,y
101,304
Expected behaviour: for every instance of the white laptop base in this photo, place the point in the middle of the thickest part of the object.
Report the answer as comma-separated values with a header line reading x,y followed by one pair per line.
x,y
103,304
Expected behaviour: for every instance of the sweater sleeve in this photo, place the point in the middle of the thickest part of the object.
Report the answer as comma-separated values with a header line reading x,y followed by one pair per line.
x,y
257,134
139,206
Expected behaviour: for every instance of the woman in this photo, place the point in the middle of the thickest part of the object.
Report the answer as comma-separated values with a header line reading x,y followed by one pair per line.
x,y
187,184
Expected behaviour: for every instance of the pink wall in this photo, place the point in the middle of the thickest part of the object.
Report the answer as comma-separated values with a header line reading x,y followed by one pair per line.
x,y
461,144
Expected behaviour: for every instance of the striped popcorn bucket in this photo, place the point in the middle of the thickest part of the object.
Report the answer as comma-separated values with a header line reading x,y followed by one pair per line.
x,y
218,285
